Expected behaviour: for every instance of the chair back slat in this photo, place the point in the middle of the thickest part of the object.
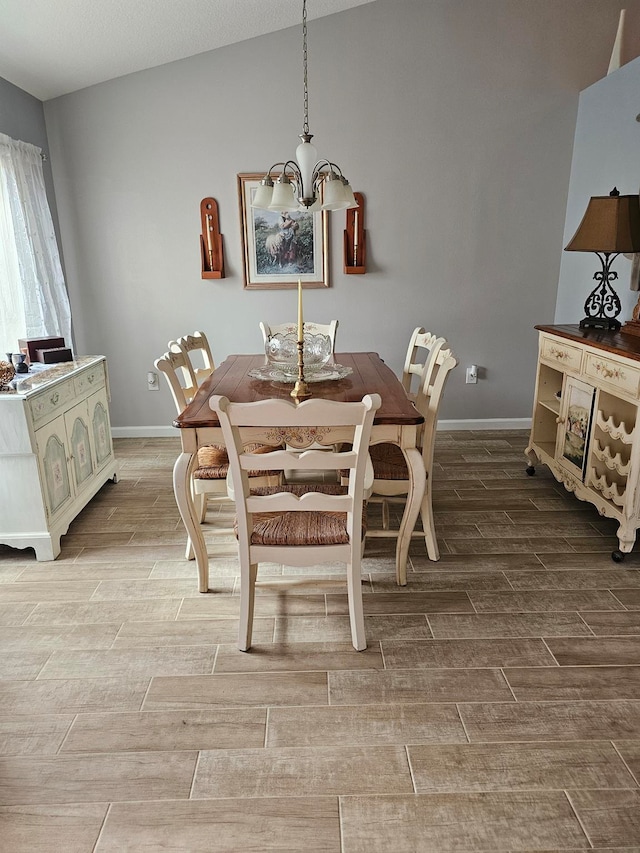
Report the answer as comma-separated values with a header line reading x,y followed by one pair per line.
x,y
311,502
309,460
177,371
198,352
286,415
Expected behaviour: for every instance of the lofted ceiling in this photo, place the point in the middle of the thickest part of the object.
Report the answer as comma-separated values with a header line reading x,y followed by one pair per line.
x,y
52,47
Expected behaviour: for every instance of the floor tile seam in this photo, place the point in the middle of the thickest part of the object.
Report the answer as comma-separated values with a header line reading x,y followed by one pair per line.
x,y
634,776
101,829
578,818
65,737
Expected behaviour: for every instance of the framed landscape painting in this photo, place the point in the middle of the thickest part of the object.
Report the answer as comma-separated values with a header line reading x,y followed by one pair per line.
x,y
280,247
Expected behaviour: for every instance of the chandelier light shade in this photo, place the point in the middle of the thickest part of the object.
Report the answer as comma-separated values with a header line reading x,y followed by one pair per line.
x,y
610,225
306,183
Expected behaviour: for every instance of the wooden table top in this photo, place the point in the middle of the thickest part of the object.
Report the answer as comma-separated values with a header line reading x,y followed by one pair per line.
x,y
370,376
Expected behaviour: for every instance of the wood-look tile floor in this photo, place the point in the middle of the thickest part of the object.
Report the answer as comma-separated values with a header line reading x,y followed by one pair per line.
x,y
497,707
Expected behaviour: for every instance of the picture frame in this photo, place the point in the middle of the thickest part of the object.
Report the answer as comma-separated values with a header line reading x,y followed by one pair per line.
x,y
279,249
576,419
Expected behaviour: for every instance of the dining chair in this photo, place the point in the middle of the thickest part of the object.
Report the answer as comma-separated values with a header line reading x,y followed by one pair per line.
x,y
420,344
211,465
298,525
329,329
391,476
196,346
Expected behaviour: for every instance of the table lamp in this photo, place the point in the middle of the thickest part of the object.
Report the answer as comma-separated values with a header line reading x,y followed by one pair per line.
x,y
610,225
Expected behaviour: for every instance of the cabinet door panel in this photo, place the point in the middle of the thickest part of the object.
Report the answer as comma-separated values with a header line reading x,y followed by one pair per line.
x,y
100,428
53,454
77,427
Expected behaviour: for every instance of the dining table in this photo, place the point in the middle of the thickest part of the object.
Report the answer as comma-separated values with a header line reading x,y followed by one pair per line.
x,y
397,421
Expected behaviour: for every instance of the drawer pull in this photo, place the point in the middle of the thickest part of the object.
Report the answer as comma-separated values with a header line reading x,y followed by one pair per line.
x,y
54,398
560,420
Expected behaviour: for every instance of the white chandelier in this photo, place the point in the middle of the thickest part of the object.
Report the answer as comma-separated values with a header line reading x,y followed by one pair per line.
x,y
308,184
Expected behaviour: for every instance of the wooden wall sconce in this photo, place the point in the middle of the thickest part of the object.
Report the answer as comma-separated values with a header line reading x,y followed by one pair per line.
x,y
355,246
211,252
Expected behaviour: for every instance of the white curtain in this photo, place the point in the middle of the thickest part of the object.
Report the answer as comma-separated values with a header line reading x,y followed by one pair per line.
x,y
33,297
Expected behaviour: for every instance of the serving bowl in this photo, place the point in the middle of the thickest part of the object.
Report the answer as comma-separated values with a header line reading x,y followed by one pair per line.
x,y
282,352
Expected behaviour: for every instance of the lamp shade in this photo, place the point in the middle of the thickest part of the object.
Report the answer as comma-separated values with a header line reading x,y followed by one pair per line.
x,y
611,224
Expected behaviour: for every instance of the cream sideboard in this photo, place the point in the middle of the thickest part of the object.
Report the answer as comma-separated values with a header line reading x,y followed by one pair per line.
x,y
585,425
55,452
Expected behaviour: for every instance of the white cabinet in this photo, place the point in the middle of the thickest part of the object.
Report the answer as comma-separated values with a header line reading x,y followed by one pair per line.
x,y
585,425
55,452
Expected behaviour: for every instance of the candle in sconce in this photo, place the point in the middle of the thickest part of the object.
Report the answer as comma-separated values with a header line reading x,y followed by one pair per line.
x,y
300,317
207,219
355,238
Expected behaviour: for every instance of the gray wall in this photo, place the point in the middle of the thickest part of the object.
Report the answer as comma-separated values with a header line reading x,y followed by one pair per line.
x,y
455,119
606,154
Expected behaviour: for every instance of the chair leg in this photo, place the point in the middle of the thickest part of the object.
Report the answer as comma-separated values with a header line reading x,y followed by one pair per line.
x,y
385,514
200,502
248,574
189,552
428,524
356,611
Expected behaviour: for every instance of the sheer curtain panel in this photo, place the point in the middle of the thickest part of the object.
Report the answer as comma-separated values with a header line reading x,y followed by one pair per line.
x,y
33,294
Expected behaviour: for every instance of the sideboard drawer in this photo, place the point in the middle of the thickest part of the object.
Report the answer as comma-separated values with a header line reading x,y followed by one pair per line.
x,y
44,406
622,376
90,380
562,354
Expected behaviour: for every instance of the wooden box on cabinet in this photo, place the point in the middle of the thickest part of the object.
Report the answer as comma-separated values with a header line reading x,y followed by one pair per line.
x,y
586,424
55,452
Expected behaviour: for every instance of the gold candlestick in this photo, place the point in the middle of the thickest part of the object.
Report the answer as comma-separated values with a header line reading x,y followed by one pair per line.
x,y
300,389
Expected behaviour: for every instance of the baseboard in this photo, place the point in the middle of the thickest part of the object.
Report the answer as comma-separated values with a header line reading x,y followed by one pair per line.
x,y
145,432
485,424
471,424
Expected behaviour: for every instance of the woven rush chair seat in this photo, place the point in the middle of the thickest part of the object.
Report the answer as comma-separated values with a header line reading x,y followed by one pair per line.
x,y
388,462
301,528
213,462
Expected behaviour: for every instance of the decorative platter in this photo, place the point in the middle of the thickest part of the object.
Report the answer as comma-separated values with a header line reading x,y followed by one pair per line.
x,y
324,374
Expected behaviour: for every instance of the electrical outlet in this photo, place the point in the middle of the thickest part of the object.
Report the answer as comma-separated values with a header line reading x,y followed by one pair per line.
x,y
152,381
472,374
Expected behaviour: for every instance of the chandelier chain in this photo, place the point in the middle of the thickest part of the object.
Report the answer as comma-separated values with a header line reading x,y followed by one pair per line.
x,y
305,123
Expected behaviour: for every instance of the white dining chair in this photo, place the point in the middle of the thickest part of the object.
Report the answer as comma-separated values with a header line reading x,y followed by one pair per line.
x,y
196,346
391,476
211,465
298,525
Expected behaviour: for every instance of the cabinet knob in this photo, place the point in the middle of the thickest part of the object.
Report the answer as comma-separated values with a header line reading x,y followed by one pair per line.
x,y
560,420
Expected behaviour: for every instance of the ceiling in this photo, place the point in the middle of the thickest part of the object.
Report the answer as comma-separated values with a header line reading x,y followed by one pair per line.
x,y
52,47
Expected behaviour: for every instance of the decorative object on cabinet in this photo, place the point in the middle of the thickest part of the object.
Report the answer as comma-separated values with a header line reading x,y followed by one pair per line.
x,y
355,246
576,365
610,225
280,247
19,360
211,242
308,184
7,372
56,454
30,346
54,355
